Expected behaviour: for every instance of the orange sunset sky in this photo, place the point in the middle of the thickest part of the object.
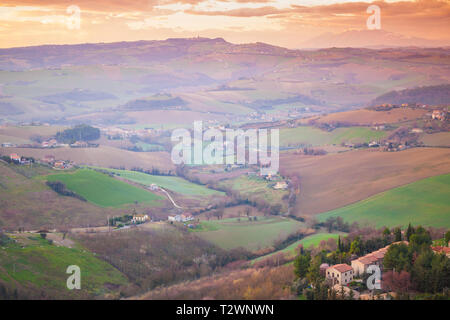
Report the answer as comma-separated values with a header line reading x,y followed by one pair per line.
x,y
282,22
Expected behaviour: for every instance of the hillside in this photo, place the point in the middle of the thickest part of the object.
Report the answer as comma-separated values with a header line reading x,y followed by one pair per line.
x,y
432,95
36,269
336,180
77,83
29,203
104,190
423,202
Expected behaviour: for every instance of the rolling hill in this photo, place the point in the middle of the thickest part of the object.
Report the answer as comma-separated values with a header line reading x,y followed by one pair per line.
x,y
424,202
202,75
336,180
432,95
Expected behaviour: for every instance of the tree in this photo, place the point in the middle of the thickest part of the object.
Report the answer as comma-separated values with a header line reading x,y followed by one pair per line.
x,y
398,257
399,282
398,234
81,132
301,264
275,209
355,246
409,231
420,237
313,274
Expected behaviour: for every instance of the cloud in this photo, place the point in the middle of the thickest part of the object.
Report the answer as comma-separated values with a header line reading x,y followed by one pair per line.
x,y
275,21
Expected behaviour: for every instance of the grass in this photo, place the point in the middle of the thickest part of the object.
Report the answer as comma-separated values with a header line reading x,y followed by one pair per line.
x,y
255,187
312,240
103,190
252,235
28,201
425,202
316,137
149,147
175,184
40,266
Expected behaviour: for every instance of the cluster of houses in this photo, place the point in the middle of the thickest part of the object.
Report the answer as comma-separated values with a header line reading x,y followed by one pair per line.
x,y
57,164
438,115
180,217
440,249
50,143
15,158
342,274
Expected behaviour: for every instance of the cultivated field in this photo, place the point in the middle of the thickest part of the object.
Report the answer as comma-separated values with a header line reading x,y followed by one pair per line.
x,y
365,117
252,235
316,137
335,180
256,188
102,156
26,132
103,190
172,183
440,139
425,202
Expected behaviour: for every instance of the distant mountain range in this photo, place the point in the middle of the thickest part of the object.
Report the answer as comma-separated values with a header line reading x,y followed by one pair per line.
x,y
369,39
61,83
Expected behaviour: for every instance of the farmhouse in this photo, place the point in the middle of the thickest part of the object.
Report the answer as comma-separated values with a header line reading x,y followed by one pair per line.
x,y
153,187
139,218
49,143
174,218
439,250
438,115
18,159
60,165
14,157
361,264
180,217
7,145
341,274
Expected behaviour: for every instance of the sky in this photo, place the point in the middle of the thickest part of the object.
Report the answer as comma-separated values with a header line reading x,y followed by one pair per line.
x,y
287,23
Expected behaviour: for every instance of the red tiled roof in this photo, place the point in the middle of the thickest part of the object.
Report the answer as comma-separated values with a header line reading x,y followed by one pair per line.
x,y
440,249
342,267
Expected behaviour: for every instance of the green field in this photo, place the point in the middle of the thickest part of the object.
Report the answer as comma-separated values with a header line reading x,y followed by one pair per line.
x,y
252,235
149,147
175,184
312,240
256,188
316,137
425,202
103,190
40,266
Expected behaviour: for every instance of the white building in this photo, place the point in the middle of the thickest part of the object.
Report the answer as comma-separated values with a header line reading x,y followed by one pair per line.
x,y
140,218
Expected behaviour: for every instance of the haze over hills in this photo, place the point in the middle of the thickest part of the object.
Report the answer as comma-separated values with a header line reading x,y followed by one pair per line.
x,y
432,95
203,78
369,39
